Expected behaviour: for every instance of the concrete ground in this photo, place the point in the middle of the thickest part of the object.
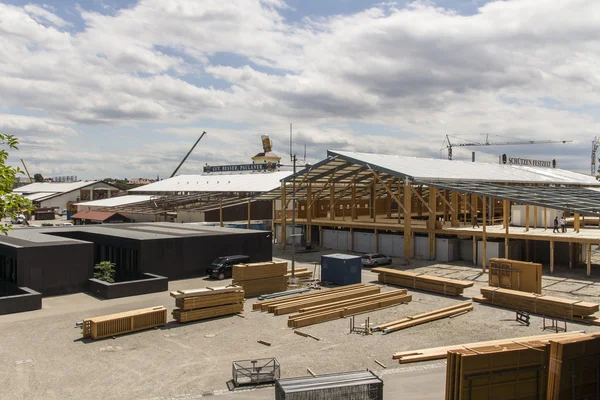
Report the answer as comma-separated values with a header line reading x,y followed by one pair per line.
x,y
43,356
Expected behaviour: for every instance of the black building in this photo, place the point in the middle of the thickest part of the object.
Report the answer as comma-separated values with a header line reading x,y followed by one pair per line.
x,y
60,260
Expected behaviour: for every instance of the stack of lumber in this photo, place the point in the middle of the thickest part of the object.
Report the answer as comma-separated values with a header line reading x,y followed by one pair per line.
x,y
197,304
125,322
340,309
574,368
439,353
580,311
269,304
516,275
423,318
428,283
302,273
261,278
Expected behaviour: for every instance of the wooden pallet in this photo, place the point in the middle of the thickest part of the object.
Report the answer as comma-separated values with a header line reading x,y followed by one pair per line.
x,y
218,299
428,283
270,269
439,353
305,319
125,322
183,316
295,306
552,306
208,291
574,368
423,318
264,305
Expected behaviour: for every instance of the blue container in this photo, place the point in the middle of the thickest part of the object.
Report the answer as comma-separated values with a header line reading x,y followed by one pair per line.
x,y
341,269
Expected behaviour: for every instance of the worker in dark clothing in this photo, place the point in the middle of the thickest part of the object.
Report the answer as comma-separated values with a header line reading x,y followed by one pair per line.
x,y
555,225
475,221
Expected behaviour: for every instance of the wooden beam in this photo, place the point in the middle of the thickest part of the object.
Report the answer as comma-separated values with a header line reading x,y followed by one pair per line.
x,y
423,202
545,219
390,191
353,205
432,220
446,202
589,260
464,206
526,217
535,217
309,212
474,207
576,222
552,256
400,195
332,201
506,205
570,255
454,214
474,250
407,219
484,244
374,199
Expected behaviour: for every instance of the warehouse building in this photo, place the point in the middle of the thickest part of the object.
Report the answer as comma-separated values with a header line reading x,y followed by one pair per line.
x,y
434,209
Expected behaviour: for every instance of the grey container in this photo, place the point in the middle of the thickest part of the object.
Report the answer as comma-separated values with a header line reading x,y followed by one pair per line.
x,y
341,269
359,385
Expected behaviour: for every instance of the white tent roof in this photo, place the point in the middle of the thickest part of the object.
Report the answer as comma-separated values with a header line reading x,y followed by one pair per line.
x,y
53,187
117,201
431,169
38,196
251,182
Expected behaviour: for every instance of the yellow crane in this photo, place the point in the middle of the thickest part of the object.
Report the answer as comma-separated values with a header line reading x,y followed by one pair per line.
x,y
25,166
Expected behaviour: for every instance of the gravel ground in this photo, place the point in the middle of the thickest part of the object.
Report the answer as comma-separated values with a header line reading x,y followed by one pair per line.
x,y
43,357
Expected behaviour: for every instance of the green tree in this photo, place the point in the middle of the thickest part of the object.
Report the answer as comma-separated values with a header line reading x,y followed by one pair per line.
x,y
38,178
105,271
11,204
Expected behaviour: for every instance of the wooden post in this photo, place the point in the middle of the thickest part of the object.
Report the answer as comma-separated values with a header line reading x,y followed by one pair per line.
x,y
432,220
407,219
474,250
420,204
552,256
221,212
492,210
309,212
506,206
454,213
374,200
526,217
388,206
570,255
283,215
535,217
332,201
249,224
589,260
464,206
473,209
484,244
576,222
444,206
545,219
400,196
353,205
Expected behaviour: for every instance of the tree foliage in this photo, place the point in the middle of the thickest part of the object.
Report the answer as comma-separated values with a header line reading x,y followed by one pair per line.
x,y
38,177
11,204
105,271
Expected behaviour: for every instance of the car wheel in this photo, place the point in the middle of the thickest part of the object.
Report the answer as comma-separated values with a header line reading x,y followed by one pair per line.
x,y
375,264
390,261
221,276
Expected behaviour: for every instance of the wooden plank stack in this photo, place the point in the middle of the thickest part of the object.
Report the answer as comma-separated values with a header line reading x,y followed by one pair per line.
x,y
439,353
302,273
516,275
261,278
125,322
423,318
428,283
197,304
265,305
576,310
574,368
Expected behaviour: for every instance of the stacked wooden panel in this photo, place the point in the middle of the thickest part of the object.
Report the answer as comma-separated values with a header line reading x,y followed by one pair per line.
x,y
302,273
574,368
424,318
516,275
438,353
511,371
197,304
125,322
428,283
264,305
540,304
261,278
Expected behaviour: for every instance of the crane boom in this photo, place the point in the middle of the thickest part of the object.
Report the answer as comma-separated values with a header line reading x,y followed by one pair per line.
x,y
488,143
188,154
25,166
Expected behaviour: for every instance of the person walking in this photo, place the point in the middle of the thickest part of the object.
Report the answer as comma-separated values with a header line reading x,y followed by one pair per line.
x,y
563,224
555,225
475,221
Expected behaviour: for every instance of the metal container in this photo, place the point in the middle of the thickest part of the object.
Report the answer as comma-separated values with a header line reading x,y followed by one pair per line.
x,y
341,269
359,385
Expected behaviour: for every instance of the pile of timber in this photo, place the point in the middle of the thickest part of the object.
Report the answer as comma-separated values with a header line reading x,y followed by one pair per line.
x,y
125,322
261,278
197,304
550,369
574,368
424,318
439,353
516,275
326,305
428,283
580,311
302,273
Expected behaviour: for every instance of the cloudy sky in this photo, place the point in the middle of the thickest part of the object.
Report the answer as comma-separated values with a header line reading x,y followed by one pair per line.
x,y
101,88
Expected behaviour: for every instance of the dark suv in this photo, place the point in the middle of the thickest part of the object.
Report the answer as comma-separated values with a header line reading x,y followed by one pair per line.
x,y
221,268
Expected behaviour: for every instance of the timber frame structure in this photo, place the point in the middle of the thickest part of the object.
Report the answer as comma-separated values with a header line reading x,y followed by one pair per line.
x,y
441,198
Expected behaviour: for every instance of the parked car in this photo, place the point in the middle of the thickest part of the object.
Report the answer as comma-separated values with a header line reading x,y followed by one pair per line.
x,y
375,259
222,267
63,212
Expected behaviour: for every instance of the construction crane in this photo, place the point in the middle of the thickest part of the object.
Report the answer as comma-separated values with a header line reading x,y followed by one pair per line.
x,y
488,143
188,154
25,166
595,144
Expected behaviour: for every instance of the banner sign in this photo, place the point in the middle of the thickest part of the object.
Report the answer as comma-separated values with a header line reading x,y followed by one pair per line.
x,y
528,162
240,167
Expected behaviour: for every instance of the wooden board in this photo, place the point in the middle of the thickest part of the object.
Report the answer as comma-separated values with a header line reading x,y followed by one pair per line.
x,y
349,302
208,291
290,307
270,269
424,318
205,313
438,353
263,305
428,283
515,275
218,299
125,322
